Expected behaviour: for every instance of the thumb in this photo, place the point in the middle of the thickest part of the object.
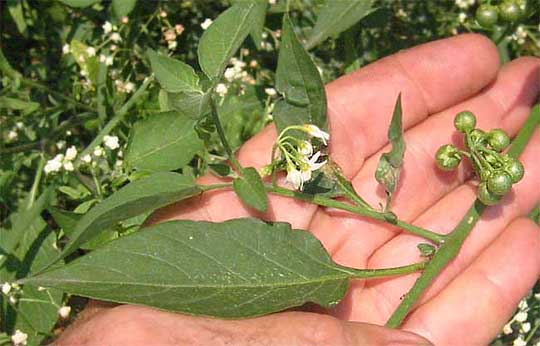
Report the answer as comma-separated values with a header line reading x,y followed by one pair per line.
x,y
361,334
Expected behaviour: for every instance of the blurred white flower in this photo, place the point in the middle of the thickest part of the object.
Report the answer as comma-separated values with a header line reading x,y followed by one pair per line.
x,y
519,342
270,91
6,287
115,37
462,16
169,35
111,142
66,49
86,158
19,338
526,327
124,20
98,151
172,45
19,125
91,51
12,135
163,14
68,166
60,145
521,316
64,311
507,329
54,165
206,24
107,27
272,2
316,132
107,59
221,89
129,86
71,153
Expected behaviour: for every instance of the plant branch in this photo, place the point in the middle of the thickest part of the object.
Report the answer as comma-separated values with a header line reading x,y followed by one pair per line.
x,y
384,272
222,137
450,249
118,117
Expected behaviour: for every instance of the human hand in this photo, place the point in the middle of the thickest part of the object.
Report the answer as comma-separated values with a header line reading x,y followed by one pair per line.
x,y
473,297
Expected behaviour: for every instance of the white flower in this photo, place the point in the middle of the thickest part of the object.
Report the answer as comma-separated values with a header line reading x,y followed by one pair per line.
x,y
107,59
519,342
6,287
13,300
179,28
19,338
60,145
129,86
270,91
19,125
111,142
66,49
98,151
169,35
115,37
91,51
124,20
113,47
526,327
172,45
229,74
221,89
316,132
523,305
68,166
294,177
507,329
271,2
163,14
86,158
12,135
305,148
253,64
54,165
107,27
313,164
64,311
71,153
462,17
206,24
521,316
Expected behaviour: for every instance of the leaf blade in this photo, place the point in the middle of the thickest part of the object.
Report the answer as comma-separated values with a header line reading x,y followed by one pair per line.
x,y
173,75
250,188
238,268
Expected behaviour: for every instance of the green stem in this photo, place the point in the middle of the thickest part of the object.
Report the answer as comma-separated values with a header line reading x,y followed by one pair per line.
x,y
35,184
383,272
450,249
56,94
118,117
222,137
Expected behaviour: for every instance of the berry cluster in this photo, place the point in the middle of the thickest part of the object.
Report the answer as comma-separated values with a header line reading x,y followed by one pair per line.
x,y
497,171
509,11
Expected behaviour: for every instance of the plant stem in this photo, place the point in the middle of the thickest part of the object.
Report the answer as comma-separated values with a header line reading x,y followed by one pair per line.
x,y
222,137
56,94
35,184
450,249
118,117
384,272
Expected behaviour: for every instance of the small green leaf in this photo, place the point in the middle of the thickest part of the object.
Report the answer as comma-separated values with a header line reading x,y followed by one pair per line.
x,y
16,11
336,17
389,168
173,75
80,3
194,104
122,8
223,38
299,81
250,188
163,142
150,193
26,107
239,268
426,249
67,220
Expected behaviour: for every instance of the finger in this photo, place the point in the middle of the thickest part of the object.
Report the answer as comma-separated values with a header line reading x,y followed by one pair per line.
x,y
375,89
482,299
352,239
135,325
379,298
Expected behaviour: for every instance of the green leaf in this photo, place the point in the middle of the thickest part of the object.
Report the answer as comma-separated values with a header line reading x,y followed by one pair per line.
x,y
389,168
16,11
148,194
299,81
336,17
173,75
239,268
163,142
223,38
80,3
26,107
67,220
250,188
194,104
122,8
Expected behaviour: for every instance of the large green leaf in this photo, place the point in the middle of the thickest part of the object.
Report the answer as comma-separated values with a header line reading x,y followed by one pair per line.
x,y
238,268
336,17
299,81
122,8
250,188
80,3
223,38
173,75
163,142
150,193
389,168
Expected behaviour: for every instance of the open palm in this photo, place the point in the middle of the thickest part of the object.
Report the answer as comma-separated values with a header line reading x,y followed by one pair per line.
x,y
476,293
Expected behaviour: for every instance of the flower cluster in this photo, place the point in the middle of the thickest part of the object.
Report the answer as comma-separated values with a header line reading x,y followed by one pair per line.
x,y
298,155
497,171
61,161
464,4
519,326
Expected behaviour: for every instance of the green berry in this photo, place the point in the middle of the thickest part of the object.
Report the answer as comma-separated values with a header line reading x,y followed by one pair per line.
x,y
499,183
465,121
498,139
514,168
448,157
476,137
510,11
487,16
485,196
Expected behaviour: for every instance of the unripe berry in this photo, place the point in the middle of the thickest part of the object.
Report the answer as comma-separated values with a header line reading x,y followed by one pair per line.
x,y
448,157
499,183
465,121
485,196
498,139
487,16
514,168
510,11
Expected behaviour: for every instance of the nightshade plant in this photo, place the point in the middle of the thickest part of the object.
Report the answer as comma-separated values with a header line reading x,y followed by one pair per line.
x,y
238,268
